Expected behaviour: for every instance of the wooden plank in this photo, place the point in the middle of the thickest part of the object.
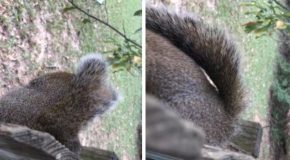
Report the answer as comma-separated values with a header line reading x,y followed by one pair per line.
x,y
208,153
151,155
248,138
89,153
246,142
19,143
216,153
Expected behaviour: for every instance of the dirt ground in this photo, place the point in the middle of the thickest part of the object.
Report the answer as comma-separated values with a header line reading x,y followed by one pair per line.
x,y
28,48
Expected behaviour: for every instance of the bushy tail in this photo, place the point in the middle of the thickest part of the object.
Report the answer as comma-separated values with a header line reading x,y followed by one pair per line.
x,y
91,70
209,47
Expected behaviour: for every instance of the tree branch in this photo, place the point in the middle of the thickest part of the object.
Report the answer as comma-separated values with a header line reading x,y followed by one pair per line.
x,y
281,5
104,23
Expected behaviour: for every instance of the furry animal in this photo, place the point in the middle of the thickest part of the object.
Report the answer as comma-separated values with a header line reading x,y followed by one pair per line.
x,y
61,103
169,134
195,69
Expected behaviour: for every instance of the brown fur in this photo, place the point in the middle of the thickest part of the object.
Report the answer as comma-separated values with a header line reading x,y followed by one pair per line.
x,y
179,49
61,103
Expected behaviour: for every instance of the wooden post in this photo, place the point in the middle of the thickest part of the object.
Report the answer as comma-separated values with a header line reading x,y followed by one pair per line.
x,y
89,153
208,153
244,145
19,142
248,138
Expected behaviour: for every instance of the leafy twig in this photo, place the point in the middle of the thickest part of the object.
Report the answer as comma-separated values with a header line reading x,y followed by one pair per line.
x,y
105,23
281,5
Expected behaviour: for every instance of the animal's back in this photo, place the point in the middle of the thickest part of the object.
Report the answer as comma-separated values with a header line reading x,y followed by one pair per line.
x,y
25,105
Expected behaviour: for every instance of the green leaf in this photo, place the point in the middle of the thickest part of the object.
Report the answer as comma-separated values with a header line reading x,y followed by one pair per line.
x,y
138,13
248,4
262,30
86,20
251,13
66,9
251,26
287,14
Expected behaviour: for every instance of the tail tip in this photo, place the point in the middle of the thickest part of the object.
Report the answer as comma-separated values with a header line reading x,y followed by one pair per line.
x,y
91,63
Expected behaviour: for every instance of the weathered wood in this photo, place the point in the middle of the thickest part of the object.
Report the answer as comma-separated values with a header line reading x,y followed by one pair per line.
x,y
208,153
247,138
19,143
151,155
246,142
89,153
215,153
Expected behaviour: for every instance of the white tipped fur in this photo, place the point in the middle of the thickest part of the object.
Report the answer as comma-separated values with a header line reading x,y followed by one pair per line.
x,y
82,64
115,102
93,62
174,11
